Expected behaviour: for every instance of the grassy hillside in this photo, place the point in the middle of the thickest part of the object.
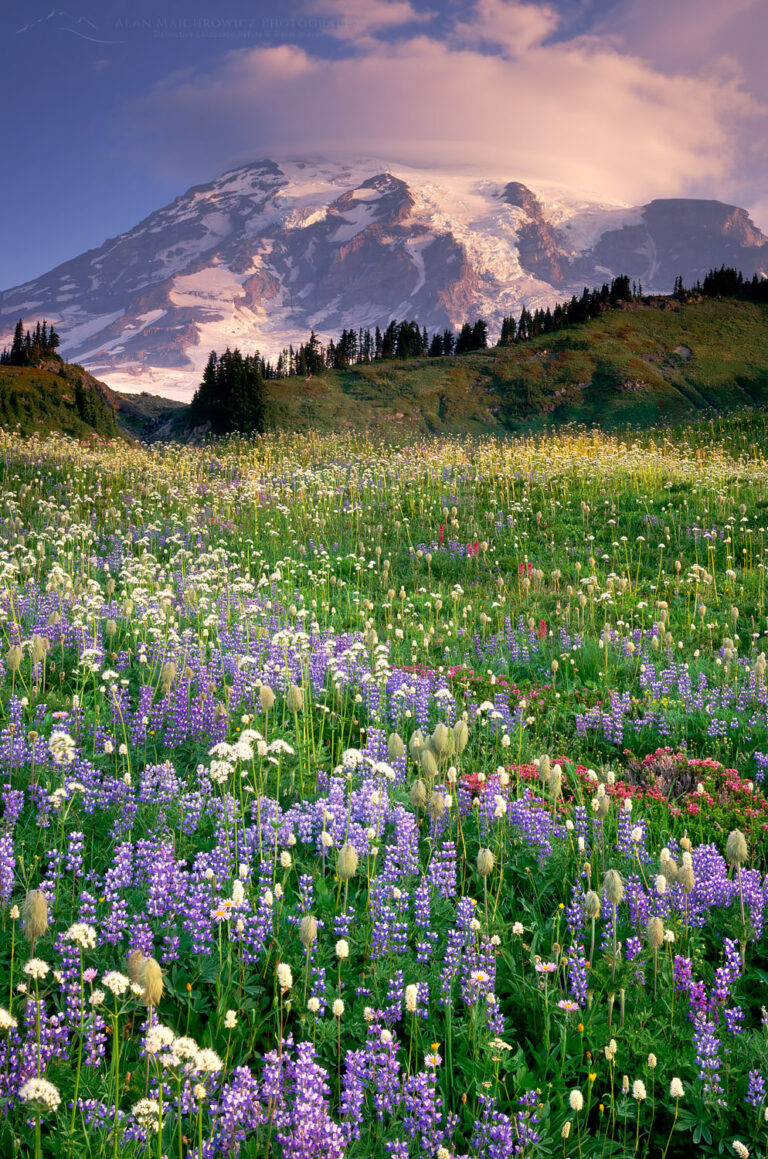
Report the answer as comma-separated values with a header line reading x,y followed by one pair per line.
x,y
60,396
657,362
661,362
55,397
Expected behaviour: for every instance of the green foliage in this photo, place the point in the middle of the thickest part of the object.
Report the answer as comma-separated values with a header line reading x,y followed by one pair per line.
x,y
38,401
657,361
230,397
31,348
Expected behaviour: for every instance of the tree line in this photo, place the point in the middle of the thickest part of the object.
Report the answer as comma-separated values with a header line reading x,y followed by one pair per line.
x,y
406,339
724,283
32,347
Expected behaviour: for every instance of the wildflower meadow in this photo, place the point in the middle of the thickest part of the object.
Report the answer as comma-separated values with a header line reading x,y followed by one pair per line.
x,y
385,801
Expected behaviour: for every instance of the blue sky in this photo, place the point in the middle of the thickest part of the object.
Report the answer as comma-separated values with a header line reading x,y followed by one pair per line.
x,y
118,106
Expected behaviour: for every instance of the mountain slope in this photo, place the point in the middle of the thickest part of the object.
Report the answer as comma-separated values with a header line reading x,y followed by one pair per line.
x,y
647,364
268,251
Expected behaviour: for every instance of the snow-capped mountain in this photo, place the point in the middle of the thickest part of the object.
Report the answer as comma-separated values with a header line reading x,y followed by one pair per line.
x,y
270,250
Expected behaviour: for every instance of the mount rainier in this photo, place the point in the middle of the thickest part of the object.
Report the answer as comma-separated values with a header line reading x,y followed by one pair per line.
x,y
270,250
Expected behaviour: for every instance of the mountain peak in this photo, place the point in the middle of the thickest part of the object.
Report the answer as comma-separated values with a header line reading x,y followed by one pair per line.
x,y
515,193
271,249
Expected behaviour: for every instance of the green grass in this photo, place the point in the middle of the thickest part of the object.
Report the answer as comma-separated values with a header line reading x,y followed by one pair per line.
x,y
619,370
36,401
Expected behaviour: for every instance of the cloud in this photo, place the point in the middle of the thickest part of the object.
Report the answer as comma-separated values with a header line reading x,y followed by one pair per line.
x,y
512,27
690,34
363,18
493,91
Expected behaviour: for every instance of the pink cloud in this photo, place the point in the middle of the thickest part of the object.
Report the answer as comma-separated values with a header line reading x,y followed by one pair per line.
x,y
584,113
511,26
688,35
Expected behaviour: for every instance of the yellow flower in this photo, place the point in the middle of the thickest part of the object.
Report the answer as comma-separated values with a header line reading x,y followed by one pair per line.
x,y
592,1076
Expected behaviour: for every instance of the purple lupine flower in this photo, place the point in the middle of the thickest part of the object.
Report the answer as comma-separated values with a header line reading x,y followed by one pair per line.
x,y
707,1049
755,1095
577,975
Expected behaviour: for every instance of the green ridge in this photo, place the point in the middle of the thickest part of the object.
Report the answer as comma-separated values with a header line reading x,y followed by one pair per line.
x,y
56,397
660,361
629,367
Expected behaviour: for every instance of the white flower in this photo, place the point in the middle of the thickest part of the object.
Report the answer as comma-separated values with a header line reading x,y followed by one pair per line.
x,y
342,949
285,859
97,997
313,1005
42,1093
36,968
238,892
576,1099
518,930
230,1020
208,1062
740,1149
411,998
338,1008
116,982
147,1114
284,976
84,936
157,1037
638,1090
676,1089
280,746
220,772
7,1021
